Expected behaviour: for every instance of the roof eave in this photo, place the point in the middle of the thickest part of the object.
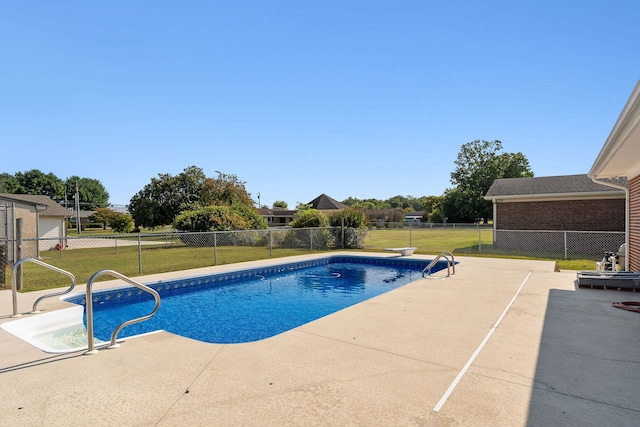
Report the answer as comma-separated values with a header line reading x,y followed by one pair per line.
x,y
616,158
558,196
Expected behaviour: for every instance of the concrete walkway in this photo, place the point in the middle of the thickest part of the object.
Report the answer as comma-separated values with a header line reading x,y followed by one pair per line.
x,y
501,343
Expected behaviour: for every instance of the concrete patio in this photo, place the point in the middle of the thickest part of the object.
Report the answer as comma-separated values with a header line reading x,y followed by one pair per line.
x,y
500,343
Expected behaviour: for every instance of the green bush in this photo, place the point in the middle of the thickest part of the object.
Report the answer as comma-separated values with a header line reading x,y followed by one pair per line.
x,y
350,218
219,218
309,218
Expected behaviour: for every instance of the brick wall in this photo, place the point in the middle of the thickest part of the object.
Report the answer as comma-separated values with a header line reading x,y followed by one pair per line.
x,y
634,224
576,215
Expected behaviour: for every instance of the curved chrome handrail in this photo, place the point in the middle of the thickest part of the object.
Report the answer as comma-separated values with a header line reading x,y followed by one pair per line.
x,y
451,264
89,304
14,289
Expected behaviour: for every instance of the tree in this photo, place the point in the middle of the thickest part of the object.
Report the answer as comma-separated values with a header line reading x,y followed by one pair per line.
x,y
280,204
121,222
8,183
478,165
227,190
102,215
92,193
165,197
37,182
117,221
160,201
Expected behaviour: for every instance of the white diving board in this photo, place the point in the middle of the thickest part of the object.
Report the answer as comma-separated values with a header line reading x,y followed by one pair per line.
x,y
402,251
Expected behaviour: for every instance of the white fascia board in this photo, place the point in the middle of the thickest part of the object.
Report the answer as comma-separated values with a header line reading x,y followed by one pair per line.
x,y
618,146
559,197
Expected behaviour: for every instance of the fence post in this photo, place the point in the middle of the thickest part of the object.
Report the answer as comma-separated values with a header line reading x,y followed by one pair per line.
x,y
270,244
565,245
310,239
18,234
215,248
139,255
479,238
410,236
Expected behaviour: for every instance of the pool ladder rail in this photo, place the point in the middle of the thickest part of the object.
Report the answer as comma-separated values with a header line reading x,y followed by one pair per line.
x,y
451,264
89,299
14,290
89,305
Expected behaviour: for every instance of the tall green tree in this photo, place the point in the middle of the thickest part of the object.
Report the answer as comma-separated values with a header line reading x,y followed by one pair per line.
x,y
165,197
161,200
478,165
8,183
37,182
226,190
92,193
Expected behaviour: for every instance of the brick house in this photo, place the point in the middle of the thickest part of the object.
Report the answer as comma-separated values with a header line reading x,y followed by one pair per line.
x,y
618,166
569,202
525,210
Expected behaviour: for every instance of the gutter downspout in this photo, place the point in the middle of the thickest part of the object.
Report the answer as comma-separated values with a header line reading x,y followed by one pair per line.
x,y
626,215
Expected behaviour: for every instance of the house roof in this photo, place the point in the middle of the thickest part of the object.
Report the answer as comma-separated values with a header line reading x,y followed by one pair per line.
x,y
49,206
324,202
550,187
621,151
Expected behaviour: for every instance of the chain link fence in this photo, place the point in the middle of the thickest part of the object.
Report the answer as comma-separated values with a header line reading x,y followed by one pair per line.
x,y
474,239
149,253
210,248
549,244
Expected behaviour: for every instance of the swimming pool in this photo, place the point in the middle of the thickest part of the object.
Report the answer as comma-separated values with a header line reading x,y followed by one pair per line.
x,y
252,304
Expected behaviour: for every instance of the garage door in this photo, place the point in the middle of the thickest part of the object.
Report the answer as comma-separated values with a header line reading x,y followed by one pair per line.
x,y
50,228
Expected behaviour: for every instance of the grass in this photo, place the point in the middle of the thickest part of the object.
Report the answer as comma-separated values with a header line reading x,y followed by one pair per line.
x,y
85,262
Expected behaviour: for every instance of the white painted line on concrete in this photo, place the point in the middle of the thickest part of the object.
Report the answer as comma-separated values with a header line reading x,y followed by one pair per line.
x,y
455,382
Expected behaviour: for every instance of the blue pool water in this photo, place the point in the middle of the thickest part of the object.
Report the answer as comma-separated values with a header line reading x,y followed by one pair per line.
x,y
252,304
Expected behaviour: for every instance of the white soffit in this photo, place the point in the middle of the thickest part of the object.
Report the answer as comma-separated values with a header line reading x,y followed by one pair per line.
x,y
620,155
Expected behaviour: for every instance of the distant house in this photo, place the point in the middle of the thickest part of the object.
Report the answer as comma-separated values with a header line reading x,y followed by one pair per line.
x,y
39,217
526,210
281,217
277,217
326,203
569,202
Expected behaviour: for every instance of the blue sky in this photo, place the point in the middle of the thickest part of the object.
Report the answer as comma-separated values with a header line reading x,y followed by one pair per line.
x,y
368,99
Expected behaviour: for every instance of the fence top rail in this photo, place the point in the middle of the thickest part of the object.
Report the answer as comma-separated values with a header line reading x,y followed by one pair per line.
x,y
563,231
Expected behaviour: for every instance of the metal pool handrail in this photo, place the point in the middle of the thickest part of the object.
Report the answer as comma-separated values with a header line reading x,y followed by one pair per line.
x,y
89,298
14,289
451,264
